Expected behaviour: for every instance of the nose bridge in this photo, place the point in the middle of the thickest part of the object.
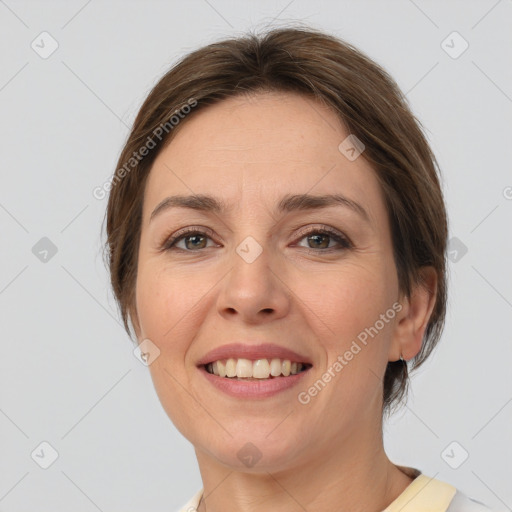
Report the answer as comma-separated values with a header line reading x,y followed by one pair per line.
x,y
251,268
252,288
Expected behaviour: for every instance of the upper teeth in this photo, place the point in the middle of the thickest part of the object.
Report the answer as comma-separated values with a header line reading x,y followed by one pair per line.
x,y
259,369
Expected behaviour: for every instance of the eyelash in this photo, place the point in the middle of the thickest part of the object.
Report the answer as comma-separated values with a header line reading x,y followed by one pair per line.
x,y
170,242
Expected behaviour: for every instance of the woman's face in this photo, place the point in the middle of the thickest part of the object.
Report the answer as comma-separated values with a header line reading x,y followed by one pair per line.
x,y
259,274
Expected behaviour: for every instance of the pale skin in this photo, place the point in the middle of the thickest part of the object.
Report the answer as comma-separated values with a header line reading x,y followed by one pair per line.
x,y
313,295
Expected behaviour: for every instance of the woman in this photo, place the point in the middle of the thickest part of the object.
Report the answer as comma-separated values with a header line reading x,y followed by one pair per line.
x,y
276,237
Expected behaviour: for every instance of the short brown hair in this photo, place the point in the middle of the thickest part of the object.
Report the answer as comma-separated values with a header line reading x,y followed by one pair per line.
x,y
367,101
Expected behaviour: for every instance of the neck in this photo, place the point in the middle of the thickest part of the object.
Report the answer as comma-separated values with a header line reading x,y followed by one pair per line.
x,y
355,475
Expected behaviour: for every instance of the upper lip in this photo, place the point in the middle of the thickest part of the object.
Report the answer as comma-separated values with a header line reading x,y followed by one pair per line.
x,y
253,352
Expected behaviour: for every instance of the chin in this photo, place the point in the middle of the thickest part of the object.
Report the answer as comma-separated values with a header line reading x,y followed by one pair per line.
x,y
252,452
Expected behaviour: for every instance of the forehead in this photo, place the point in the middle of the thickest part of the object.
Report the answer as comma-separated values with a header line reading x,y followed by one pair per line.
x,y
249,148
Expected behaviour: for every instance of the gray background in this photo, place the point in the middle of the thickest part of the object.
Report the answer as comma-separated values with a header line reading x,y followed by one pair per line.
x,y
67,372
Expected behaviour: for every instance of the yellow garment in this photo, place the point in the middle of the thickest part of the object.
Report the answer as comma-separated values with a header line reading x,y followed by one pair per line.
x,y
424,494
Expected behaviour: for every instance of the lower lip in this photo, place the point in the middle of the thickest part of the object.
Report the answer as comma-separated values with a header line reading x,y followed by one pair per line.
x,y
253,388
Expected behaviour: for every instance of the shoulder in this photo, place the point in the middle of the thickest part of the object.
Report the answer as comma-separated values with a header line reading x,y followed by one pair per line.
x,y
192,503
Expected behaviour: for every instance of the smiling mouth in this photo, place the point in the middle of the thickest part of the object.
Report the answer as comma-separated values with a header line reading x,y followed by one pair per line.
x,y
259,369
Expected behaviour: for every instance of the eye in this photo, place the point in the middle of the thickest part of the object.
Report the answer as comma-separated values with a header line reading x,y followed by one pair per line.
x,y
193,240
321,238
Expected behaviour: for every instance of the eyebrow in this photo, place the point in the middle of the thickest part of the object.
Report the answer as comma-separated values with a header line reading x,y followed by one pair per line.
x,y
289,203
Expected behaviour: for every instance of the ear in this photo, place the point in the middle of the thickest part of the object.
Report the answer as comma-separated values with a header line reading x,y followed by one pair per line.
x,y
413,318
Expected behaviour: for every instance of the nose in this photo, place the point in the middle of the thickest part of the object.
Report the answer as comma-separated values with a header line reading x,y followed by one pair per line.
x,y
254,291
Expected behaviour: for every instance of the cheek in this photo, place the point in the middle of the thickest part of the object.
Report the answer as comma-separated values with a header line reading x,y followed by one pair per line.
x,y
345,301
166,301
343,306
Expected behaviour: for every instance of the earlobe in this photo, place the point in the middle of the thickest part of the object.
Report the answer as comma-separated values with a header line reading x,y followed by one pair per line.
x,y
413,319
